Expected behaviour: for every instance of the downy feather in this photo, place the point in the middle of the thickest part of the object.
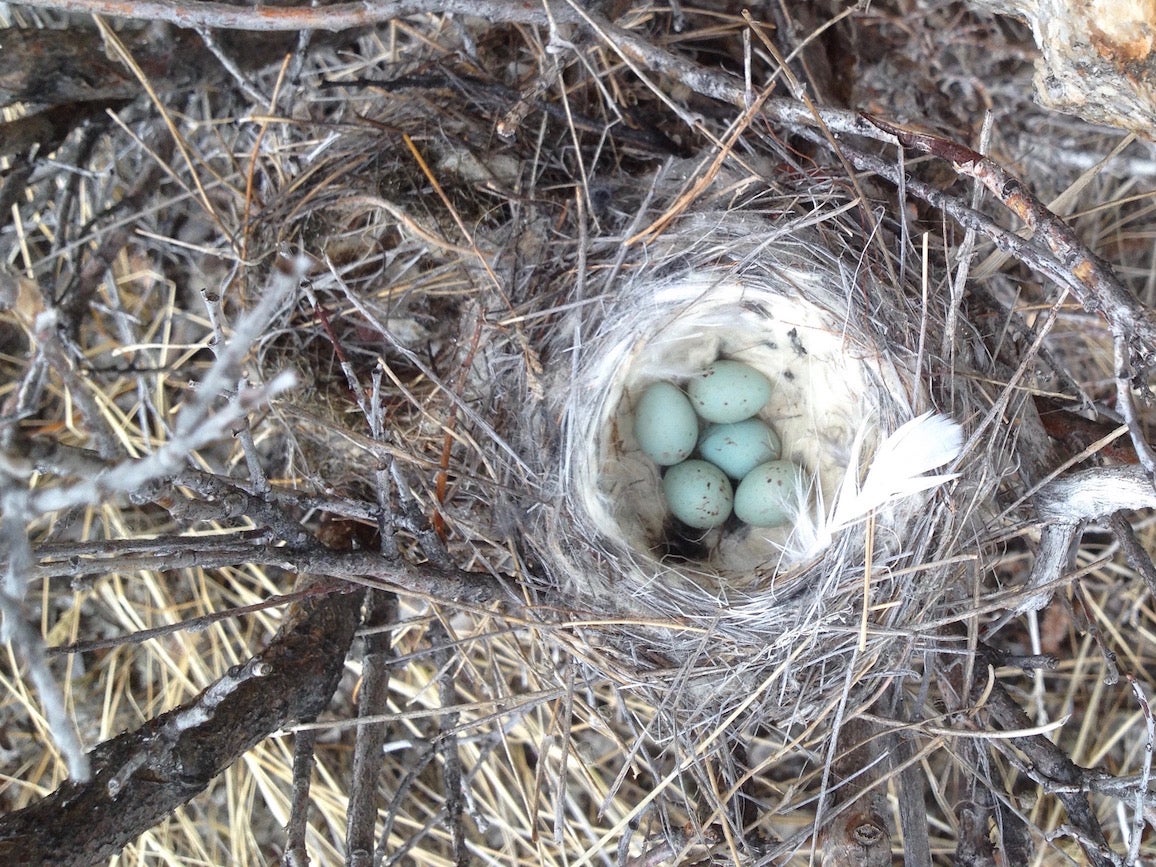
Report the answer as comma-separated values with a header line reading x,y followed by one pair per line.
x,y
897,470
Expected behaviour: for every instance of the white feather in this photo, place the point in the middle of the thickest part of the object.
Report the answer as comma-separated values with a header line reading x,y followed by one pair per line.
x,y
897,471
917,447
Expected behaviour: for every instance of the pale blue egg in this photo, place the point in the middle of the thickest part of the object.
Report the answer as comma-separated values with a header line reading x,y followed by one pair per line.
x,y
768,496
665,424
738,448
698,494
728,391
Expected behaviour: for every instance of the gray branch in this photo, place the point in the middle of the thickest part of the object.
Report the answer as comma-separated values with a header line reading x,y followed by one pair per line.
x,y
142,776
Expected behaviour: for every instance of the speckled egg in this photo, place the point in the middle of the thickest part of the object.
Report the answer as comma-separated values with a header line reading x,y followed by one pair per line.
x,y
665,424
768,496
728,391
738,448
698,494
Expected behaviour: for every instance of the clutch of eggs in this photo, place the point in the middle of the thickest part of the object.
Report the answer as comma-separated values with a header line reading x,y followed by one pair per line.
x,y
734,447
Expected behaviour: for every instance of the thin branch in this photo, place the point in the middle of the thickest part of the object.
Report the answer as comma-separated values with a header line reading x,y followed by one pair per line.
x,y
1137,835
1050,765
237,502
368,754
368,568
245,431
447,743
26,638
1095,283
197,623
232,68
1126,402
910,785
341,16
296,853
425,753
1137,556
197,429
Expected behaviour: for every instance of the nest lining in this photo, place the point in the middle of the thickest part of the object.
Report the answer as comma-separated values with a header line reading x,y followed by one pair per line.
x,y
831,382
820,399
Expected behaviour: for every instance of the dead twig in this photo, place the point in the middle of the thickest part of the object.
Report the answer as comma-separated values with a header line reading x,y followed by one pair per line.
x,y
1135,553
368,755
1095,283
447,743
1140,811
198,623
342,16
1052,768
296,853
1090,277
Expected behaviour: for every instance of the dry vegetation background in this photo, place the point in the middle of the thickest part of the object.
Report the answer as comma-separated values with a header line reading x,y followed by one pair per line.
x,y
279,365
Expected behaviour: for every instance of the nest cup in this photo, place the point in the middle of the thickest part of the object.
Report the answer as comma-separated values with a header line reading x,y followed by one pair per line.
x,y
720,612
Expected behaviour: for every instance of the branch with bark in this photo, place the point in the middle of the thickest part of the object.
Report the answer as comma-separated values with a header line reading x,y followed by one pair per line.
x,y
141,776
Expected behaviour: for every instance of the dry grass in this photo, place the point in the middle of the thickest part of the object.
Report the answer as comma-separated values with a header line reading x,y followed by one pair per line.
x,y
439,262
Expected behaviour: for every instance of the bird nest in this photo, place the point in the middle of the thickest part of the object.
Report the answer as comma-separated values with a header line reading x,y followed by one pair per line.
x,y
771,620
